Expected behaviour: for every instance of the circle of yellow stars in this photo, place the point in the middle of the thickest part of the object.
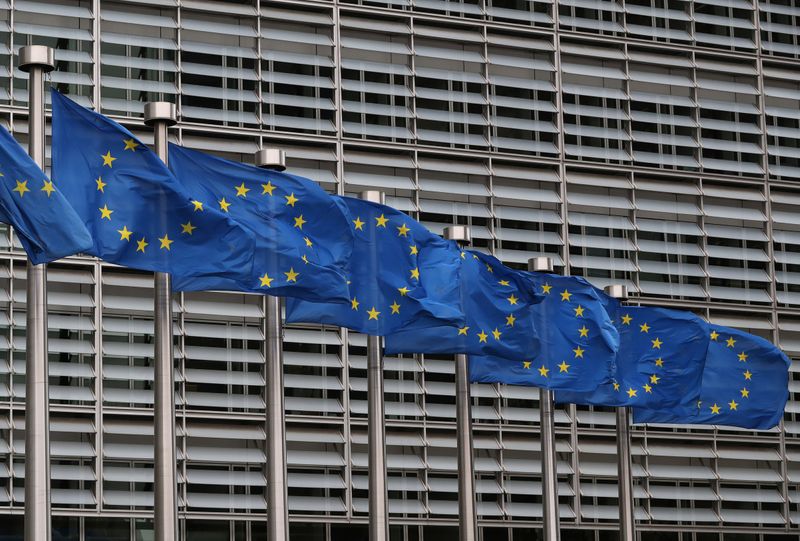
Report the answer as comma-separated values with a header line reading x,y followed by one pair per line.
x,y
747,376
626,320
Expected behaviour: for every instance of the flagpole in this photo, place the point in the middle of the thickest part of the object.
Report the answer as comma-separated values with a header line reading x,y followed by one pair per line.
x,y
160,115
36,60
627,526
550,517
467,515
376,427
277,490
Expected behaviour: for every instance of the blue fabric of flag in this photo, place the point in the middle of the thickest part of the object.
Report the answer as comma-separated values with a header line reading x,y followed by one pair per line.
x,y
659,361
304,241
745,384
577,340
400,275
134,208
496,302
44,221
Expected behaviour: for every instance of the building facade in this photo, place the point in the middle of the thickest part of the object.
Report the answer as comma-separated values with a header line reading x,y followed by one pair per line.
x,y
649,142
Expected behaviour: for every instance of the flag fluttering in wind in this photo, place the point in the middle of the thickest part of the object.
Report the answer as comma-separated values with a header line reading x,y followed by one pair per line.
x,y
45,222
745,384
303,239
400,275
135,210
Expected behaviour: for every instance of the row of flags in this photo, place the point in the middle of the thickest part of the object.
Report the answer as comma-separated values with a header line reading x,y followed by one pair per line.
x,y
216,224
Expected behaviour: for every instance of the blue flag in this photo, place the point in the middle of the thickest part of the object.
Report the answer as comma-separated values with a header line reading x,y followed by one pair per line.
x,y
304,240
135,210
745,384
577,340
497,303
46,224
659,361
400,275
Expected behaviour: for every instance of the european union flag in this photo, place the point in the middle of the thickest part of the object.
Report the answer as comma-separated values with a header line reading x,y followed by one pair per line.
x,y
745,384
496,301
135,210
304,240
400,275
577,340
46,224
659,361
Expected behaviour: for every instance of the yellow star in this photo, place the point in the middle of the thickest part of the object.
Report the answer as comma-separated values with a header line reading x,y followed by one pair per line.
x,y
745,392
578,352
714,335
197,205
395,307
488,268
496,333
482,336
659,362
565,295
402,231
654,379
380,221
373,314
359,224
130,144
732,404
354,303
579,311
105,213
632,392
563,367
503,283
291,276
305,259
747,374
165,242
124,233
463,255
414,250
463,331
48,187
266,189
616,386
546,289
657,343
187,228
743,357
241,190
100,184
644,327
647,388
403,290
543,371
266,281
291,199
526,365
141,245
730,342
299,221
308,242
626,319
22,187
224,205
512,299
715,409
510,319
584,332
415,273
108,159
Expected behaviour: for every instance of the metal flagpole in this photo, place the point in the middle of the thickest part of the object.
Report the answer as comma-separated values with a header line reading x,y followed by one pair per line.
x,y
467,515
277,491
160,115
627,527
36,60
376,431
548,436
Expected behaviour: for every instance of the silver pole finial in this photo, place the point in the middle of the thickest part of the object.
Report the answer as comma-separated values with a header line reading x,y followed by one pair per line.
x,y
271,158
